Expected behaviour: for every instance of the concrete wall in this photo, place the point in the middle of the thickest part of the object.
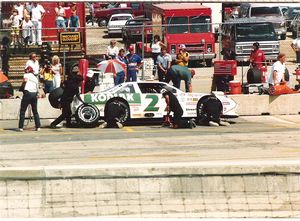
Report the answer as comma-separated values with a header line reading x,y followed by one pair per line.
x,y
149,192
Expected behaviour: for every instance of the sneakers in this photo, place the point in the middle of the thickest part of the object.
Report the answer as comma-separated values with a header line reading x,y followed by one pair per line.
x,y
20,130
38,129
120,125
104,125
224,123
213,124
192,123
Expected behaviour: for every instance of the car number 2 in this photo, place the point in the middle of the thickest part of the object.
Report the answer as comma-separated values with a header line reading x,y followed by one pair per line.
x,y
154,101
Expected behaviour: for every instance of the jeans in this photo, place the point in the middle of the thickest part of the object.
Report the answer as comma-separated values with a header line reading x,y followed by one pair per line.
x,y
154,57
132,76
161,75
66,114
48,87
298,57
37,32
119,78
29,98
61,24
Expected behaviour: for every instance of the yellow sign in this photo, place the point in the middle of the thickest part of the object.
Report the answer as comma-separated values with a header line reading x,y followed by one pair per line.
x,y
66,38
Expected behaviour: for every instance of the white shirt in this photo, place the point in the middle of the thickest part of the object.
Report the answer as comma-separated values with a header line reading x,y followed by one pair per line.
x,y
156,47
56,69
26,28
60,11
20,9
112,51
15,21
35,66
32,83
280,68
296,43
37,13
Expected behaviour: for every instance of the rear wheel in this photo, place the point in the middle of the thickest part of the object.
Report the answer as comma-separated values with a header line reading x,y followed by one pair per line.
x,y
209,108
87,115
102,22
117,109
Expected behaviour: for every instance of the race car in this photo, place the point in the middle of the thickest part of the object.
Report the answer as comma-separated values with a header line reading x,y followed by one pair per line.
x,y
141,100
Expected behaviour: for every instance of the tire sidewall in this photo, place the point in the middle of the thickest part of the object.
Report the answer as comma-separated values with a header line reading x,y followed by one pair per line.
x,y
125,108
84,122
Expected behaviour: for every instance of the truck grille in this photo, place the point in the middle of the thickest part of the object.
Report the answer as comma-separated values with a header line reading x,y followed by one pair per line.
x,y
195,48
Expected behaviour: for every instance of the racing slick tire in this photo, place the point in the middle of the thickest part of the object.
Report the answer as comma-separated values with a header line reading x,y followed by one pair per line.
x,y
209,108
123,110
87,115
254,76
55,96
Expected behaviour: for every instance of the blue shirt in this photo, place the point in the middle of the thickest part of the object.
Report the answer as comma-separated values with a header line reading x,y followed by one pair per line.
x,y
133,61
74,21
124,60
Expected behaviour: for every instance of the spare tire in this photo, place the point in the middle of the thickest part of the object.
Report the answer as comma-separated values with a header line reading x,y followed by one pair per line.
x,y
87,115
254,76
55,96
286,75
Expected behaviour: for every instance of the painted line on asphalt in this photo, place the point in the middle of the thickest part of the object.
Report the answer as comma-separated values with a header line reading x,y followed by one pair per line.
x,y
129,129
281,120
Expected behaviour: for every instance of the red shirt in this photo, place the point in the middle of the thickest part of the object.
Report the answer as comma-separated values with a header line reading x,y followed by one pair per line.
x,y
257,58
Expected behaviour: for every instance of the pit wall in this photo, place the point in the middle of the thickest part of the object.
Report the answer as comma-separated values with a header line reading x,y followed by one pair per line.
x,y
248,105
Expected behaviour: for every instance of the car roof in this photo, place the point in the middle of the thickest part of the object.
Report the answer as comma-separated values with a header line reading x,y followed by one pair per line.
x,y
140,19
121,14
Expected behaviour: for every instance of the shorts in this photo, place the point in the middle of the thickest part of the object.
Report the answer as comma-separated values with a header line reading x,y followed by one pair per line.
x,y
15,30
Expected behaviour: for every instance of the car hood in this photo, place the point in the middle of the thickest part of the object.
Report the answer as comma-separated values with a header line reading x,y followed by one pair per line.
x,y
116,23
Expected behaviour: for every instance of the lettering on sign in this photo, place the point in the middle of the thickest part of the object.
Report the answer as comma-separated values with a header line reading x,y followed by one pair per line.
x,y
66,38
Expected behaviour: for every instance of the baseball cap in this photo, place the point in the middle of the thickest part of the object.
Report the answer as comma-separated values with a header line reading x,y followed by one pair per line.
x,y
131,48
182,46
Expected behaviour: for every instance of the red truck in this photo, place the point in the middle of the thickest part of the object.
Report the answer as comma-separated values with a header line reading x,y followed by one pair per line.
x,y
185,23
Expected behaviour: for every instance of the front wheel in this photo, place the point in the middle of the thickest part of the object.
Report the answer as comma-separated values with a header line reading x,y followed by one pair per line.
x,y
102,22
87,115
117,110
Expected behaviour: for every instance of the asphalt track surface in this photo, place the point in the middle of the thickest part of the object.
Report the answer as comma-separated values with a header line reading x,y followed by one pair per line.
x,y
256,139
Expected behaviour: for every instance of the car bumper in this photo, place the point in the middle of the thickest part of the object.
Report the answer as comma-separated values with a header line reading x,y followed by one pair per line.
x,y
246,58
114,31
198,56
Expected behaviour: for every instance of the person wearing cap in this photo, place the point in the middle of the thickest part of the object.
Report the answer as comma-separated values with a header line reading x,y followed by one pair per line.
x,y
134,64
182,58
174,106
163,64
71,88
178,73
120,77
30,94
89,84
257,57
112,50
34,63
296,48
27,26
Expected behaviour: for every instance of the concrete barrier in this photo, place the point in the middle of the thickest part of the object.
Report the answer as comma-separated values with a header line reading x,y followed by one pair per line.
x,y
248,105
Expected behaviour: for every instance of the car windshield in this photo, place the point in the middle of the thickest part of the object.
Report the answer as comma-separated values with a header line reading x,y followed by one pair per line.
x,y
120,18
265,11
255,32
177,25
292,12
201,24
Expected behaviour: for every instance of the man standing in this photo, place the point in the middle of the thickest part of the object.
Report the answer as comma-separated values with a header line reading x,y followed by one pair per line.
x,y
178,73
174,106
278,69
34,63
38,13
257,57
182,58
296,47
163,63
134,64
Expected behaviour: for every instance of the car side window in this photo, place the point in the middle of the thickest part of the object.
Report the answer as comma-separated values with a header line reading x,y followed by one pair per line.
x,y
127,89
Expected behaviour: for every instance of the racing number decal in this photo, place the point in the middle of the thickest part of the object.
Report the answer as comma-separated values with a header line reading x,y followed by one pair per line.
x,y
154,101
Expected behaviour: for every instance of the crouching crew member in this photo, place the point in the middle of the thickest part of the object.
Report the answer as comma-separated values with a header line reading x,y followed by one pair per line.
x,y
71,88
112,119
174,106
177,73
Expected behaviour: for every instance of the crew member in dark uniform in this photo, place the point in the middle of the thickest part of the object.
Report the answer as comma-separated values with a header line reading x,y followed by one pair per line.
x,y
112,119
174,106
71,88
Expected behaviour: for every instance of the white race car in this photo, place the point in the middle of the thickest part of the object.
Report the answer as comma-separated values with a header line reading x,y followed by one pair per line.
x,y
142,100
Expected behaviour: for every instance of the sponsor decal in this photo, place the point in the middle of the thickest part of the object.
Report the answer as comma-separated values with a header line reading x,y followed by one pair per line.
x,y
100,98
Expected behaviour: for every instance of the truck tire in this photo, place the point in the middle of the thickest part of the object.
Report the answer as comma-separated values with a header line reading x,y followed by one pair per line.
x,y
123,115
55,96
87,115
102,22
283,37
209,108
254,76
208,62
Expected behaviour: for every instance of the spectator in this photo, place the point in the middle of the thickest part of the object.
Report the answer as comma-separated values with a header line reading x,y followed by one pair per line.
x,y
156,50
34,63
15,23
38,13
120,77
257,57
92,12
57,71
134,64
74,22
178,73
27,26
296,47
30,97
228,54
47,75
182,58
60,16
27,9
4,49
163,64
174,106
278,70
112,50
20,8
71,88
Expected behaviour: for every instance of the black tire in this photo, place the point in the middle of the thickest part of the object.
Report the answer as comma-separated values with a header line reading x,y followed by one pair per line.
x,y
294,33
208,62
102,22
254,76
87,115
286,75
209,108
55,96
283,37
124,113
